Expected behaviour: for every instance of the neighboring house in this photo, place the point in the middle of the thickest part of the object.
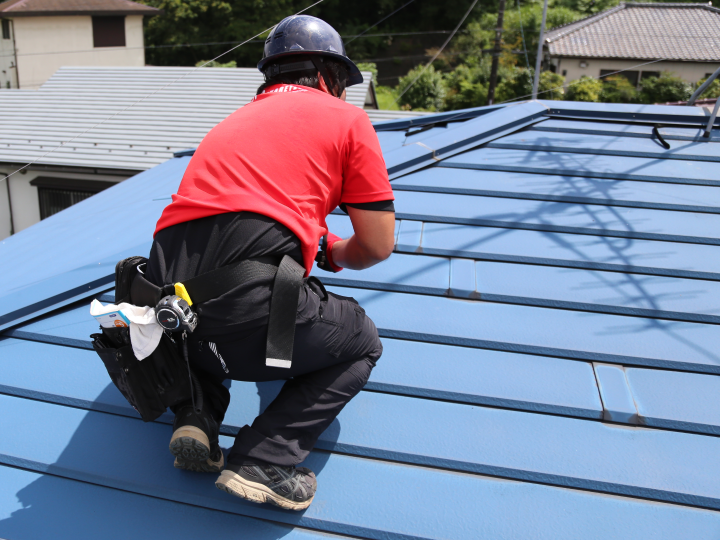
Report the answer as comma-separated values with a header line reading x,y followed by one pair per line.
x,y
75,100
40,36
685,37
551,365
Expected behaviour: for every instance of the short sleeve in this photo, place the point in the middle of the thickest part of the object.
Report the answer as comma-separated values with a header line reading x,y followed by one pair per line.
x,y
365,177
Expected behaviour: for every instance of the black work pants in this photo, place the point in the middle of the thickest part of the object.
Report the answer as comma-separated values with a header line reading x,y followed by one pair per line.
x,y
336,346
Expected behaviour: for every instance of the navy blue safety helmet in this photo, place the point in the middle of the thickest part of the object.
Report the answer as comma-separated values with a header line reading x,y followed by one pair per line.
x,y
304,34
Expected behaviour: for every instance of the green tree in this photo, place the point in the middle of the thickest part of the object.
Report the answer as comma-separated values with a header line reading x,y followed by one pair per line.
x,y
665,88
371,67
712,91
479,35
551,86
584,89
517,84
428,91
215,63
617,89
588,7
466,87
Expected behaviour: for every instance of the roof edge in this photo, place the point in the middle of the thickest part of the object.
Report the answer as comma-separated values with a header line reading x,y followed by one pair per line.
x,y
12,15
582,23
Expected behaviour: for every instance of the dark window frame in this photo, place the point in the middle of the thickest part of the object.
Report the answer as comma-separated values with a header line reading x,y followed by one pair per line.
x,y
57,194
633,77
108,31
6,32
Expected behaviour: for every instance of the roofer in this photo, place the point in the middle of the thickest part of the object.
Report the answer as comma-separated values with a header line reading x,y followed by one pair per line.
x,y
260,185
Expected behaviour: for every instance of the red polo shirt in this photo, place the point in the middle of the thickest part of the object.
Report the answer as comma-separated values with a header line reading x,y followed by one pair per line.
x,y
293,154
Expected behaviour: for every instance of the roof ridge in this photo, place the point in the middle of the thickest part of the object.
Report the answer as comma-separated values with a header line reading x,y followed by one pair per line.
x,y
673,5
582,23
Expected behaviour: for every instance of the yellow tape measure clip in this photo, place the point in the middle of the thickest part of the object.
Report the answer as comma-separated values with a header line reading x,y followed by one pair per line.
x,y
181,291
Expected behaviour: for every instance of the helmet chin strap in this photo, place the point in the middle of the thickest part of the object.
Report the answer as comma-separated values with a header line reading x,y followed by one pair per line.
x,y
322,69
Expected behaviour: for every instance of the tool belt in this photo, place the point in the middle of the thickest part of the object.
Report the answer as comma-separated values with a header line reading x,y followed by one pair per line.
x,y
162,379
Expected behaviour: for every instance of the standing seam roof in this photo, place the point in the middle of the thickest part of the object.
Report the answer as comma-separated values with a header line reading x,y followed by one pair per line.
x,y
170,120
549,320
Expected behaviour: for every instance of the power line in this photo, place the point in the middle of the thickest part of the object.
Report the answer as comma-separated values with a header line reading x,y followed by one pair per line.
x,y
211,43
381,20
148,96
437,53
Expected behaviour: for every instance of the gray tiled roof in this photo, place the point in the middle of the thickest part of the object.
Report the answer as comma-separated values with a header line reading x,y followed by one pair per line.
x,y
689,32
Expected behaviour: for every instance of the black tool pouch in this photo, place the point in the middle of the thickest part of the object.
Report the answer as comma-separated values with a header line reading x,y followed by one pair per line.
x,y
150,385
159,381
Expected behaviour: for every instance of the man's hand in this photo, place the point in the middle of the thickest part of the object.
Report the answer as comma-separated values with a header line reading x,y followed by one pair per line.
x,y
373,241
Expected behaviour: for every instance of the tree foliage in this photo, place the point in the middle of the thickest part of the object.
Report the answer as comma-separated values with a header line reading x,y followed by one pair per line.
x,y
665,88
428,91
617,89
584,89
712,91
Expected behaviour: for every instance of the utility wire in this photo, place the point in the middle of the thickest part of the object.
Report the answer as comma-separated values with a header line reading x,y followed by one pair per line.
x,y
210,43
438,52
381,20
148,96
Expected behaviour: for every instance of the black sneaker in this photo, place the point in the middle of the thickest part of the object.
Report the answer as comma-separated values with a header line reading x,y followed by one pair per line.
x,y
292,488
194,442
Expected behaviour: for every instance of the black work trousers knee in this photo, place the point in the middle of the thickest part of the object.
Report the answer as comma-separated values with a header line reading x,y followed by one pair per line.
x,y
336,346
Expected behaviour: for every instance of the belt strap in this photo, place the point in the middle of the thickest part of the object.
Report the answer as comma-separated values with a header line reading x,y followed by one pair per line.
x,y
283,303
283,310
217,282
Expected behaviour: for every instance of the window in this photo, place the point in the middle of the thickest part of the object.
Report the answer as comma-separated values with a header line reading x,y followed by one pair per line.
x,y
648,74
108,31
55,194
631,76
6,28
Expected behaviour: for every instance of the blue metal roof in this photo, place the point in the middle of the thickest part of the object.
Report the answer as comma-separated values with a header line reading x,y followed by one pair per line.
x,y
550,321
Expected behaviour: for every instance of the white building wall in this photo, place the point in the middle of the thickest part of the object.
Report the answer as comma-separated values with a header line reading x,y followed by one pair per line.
x,y
8,73
690,71
24,197
45,44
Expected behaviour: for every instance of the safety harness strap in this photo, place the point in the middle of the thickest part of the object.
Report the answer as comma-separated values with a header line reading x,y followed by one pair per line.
x,y
217,282
283,302
283,310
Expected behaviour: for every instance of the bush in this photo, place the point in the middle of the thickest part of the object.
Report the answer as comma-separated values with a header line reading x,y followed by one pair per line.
x,y
518,84
466,87
371,67
551,86
712,91
617,89
215,63
665,88
584,89
427,93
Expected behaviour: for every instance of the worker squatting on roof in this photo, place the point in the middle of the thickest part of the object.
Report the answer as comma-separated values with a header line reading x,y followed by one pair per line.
x,y
260,186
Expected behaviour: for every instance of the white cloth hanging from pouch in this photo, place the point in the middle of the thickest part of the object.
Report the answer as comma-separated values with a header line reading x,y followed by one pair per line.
x,y
145,332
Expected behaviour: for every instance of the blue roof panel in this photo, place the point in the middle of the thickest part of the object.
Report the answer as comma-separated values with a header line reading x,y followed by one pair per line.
x,y
549,320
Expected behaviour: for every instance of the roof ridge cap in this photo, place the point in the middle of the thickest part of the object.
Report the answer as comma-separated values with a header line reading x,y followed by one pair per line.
x,y
582,23
675,5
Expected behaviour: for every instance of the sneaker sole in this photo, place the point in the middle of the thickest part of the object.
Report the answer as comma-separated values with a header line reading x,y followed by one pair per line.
x,y
236,485
191,449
